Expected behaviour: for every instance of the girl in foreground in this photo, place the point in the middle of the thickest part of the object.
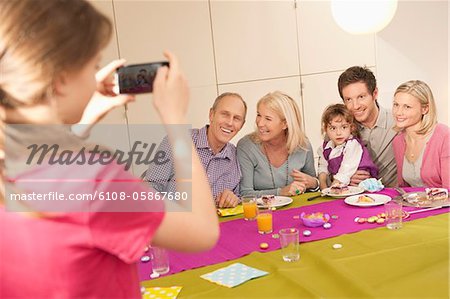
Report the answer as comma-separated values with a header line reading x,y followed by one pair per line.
x,y
49,52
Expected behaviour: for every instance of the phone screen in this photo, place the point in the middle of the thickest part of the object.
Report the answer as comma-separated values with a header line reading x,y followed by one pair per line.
x,y
138,78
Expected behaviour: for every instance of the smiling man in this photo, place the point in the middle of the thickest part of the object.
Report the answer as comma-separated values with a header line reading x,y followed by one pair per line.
x,y
358,89
217,154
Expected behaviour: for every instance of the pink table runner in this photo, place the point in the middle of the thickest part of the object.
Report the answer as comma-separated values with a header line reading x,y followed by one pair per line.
x,y
239,237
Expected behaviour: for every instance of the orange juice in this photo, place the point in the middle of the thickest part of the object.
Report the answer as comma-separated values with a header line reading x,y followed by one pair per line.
x,y
250,210
264,221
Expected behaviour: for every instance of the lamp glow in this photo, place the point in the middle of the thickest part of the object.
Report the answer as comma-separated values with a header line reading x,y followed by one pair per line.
x,y
363,16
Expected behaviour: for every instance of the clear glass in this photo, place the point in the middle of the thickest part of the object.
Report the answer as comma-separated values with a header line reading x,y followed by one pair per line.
x,y
290,247
250,207
394,214
160,260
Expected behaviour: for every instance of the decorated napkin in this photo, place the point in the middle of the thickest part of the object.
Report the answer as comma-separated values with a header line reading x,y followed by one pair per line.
x,y
371,185
230,211
233,275
163,293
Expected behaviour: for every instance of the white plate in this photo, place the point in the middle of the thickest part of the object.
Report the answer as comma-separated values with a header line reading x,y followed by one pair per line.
x,y
279,201
379,200
352,190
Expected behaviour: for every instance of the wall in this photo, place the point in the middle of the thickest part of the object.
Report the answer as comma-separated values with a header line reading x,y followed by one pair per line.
x,y
254,47
415,46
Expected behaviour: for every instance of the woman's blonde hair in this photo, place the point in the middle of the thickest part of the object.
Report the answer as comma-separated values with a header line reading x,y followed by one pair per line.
x,y
422,92
39,41
287,109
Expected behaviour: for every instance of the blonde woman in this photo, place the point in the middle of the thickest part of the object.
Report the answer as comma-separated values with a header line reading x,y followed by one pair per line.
x,y
49,55
277,158
422,147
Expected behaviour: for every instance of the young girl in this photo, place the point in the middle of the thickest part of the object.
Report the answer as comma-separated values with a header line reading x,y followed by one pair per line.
x,y
342,153
49,55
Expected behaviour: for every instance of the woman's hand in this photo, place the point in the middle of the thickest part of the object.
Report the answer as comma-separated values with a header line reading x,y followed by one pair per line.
x,y
171,92
103,100
294,188
309,181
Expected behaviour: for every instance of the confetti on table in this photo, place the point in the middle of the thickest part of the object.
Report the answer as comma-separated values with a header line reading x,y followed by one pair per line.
x,y
145,259
163,293
337,246
233,275
263,245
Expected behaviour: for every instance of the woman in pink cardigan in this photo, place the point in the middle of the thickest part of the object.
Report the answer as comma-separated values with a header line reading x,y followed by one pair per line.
x,y
422,146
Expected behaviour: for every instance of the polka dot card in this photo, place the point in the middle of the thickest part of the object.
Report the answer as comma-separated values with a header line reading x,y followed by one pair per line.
x,y
161,293
233,275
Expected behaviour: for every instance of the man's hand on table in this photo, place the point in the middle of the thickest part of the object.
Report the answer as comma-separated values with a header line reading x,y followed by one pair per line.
x,y
227,199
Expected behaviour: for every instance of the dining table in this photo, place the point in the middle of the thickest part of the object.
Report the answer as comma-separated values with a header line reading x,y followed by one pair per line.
x,y
370,261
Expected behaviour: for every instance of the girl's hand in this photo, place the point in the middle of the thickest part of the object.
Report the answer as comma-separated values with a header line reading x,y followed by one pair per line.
x,y
335,183
103,100
358,177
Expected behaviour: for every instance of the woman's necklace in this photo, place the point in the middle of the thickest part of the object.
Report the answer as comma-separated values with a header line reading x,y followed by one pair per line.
x,y
414,146
270,168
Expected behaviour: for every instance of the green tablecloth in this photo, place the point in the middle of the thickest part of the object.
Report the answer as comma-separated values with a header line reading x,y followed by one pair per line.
x,y
412,262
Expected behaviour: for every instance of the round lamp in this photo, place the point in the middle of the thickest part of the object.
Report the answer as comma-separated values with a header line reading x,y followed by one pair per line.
x,y
363,16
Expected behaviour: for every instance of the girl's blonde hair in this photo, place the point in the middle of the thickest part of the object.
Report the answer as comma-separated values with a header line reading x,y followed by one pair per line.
x,y
422,92
39,41
287,109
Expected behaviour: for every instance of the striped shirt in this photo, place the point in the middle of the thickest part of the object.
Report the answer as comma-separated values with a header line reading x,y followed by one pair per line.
x,y
222,169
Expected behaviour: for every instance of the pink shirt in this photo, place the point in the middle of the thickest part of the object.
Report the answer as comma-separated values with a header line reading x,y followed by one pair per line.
x,y
436,158
75,255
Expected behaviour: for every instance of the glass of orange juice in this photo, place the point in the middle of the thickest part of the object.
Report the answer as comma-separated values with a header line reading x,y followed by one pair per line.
x,y
250,207
264,220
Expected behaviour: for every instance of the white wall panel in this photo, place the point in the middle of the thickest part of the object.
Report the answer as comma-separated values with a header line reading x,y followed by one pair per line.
x,y
415,46
319,91
324,47
201,99
111,52
254,40
146,28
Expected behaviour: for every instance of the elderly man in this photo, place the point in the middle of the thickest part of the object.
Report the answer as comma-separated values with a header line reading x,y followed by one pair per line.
x,y
217,154
358,89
